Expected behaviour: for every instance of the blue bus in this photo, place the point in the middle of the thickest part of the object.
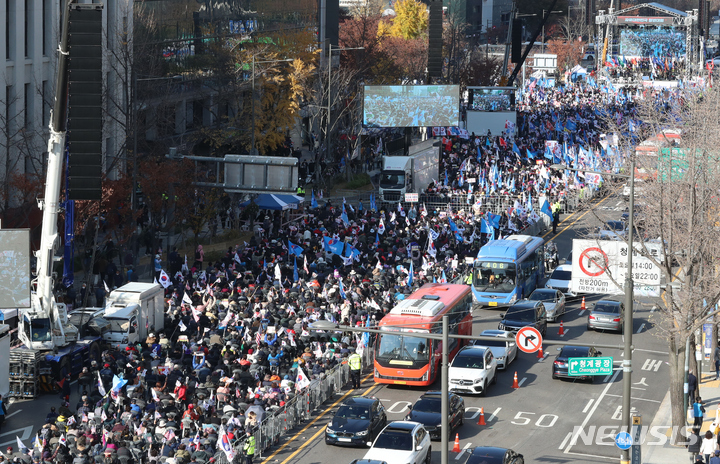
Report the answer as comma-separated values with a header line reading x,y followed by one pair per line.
x,y
507,270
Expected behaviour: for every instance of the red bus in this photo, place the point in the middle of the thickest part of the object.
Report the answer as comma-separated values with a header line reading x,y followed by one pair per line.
x,y
416,361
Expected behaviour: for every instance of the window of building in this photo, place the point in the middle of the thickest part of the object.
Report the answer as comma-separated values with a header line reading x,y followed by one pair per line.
x,y
28,113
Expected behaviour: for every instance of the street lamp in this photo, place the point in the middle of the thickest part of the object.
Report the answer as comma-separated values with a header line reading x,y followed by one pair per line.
x,y
252,136
548,13
629,287
327,123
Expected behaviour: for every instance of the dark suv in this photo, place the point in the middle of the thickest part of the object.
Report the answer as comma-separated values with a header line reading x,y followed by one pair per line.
x,y
525,313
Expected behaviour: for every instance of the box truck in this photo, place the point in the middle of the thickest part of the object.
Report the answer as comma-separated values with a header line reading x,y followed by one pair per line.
x,y
133,311
409,174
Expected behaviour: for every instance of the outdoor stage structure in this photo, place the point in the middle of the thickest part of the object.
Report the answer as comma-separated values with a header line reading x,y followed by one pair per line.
x,y
672,31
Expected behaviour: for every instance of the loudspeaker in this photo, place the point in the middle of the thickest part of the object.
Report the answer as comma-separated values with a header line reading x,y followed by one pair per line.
x,y
435,60
85,113
516,50
332,21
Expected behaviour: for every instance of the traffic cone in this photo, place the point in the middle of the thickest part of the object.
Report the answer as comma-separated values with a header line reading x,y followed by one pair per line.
x,y
582,305
540,353
561,331
515,382
456,448
481,420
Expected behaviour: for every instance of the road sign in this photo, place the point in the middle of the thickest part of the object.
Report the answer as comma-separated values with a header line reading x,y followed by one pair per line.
x,y
411,197
598,264
528,339
590,366
623,440
635,452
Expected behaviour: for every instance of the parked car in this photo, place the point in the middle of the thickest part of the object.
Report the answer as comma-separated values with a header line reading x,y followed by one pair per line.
x,y
472,370
560,279
504,351
427,411
525,313
606,315
560,364
493,455
553,300
402,442
358,420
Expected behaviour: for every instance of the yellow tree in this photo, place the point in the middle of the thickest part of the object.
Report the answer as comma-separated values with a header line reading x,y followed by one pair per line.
x,y
410,20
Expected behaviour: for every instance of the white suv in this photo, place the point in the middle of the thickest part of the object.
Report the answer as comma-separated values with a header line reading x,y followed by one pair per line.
x,y
402,442
472,370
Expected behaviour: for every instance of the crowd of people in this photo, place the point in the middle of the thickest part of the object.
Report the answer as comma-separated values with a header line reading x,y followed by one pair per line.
x,y
238,345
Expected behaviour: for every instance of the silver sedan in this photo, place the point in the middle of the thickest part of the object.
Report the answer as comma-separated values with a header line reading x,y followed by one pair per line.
x,y
503,351
554,301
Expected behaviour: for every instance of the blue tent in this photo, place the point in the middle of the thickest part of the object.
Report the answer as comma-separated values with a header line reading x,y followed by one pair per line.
x,y
276,202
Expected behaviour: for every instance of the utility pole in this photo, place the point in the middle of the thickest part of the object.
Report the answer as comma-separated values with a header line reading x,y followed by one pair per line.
x,y
628,321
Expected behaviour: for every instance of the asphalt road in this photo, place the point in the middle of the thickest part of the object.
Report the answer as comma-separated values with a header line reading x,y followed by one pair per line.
x,y
546,420
538,420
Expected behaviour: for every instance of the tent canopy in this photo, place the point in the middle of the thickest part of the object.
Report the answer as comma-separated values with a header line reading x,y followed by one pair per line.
x,y
276,202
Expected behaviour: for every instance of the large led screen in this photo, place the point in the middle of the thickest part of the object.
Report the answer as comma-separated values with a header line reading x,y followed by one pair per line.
x,y
411,105
14,268
491,98
654,42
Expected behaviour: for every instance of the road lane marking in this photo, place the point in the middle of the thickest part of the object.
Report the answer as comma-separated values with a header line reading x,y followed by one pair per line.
x,y
564,333
651,351
545,355
580,217
642,326
641,382
26,433
581,312
651,365
457,458
638,388
494,414
586,408
591,455
590,413
322,429
522,381
477,412
567,437
10,415
406,405
633,398
605,380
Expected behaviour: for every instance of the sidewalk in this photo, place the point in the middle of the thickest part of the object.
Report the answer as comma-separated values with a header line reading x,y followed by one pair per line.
x,y
667,453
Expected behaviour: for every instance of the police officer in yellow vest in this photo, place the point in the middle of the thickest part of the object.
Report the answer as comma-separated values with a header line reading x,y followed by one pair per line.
x,y
249,447
355,363
556,215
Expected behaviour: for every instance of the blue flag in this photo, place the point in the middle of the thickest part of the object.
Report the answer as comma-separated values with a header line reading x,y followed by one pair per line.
x,y
516,149
410,275
546,209
313,201
530,154
296,276
342,289
333,245
443,278
360,205
296,250
494,220
118,383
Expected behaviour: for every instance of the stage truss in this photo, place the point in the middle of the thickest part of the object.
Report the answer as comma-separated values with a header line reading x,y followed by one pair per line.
x,y
687,20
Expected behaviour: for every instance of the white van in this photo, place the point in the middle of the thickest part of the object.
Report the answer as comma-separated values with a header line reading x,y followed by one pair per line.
x,y
133,311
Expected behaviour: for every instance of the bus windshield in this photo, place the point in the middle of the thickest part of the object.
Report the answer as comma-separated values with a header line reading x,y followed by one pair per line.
x,y
395,346
491,276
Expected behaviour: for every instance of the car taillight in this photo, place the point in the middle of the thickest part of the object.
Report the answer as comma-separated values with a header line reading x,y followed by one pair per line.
x,y
591,316
617,319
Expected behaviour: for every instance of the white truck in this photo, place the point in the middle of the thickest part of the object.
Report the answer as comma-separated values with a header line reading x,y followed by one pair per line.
x,y
133,311
409,174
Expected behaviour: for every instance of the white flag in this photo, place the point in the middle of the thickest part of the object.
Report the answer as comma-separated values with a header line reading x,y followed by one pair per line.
x,y
225,445
107,290
186,298
164,279
182,326
302,381
278,274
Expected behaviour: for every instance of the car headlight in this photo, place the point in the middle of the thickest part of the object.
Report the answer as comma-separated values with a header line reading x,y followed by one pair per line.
x,y
549,286
479,380
501,326
329,430
501,358
513,299
362,434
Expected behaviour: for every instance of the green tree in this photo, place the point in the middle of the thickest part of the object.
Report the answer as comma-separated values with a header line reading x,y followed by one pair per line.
x,y
410,20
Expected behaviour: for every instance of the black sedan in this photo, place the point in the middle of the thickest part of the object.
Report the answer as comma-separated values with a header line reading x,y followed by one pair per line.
x,y
493,455
358,421
560,365
426,410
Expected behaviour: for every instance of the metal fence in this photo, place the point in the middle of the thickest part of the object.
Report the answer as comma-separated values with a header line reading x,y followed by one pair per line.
x,y
282,420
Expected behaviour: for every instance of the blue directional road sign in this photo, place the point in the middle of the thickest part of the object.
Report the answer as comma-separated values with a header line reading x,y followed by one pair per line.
x,y
623,440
